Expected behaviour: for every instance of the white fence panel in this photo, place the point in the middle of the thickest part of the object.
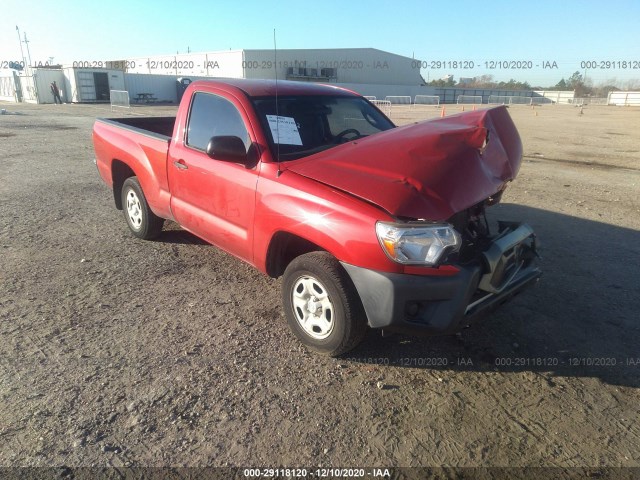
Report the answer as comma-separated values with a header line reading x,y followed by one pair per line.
x,y
556,96
426,100
8,88
624,98
471,99
119,98
398,99
383,105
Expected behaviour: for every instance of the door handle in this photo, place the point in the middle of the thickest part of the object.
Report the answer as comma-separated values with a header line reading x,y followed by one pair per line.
x,y
181,164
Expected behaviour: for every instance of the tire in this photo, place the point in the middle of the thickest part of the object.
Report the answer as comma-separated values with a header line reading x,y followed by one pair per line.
x,y
321,304
142,222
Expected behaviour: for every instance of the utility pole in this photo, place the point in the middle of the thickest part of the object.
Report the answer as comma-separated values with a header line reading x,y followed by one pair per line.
x,y
26,42
24,62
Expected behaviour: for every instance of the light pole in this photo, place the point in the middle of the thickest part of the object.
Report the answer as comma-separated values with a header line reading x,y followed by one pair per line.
x,y
21,51
26,42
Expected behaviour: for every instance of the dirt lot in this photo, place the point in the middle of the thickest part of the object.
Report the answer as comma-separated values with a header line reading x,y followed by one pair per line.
x,y
116,351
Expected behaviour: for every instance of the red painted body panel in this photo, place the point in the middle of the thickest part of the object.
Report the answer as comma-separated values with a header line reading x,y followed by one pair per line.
x,y
340,223
213,199
145,155
429,170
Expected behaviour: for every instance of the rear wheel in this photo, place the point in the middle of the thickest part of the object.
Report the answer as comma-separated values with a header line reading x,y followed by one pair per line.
x,y
321,304
142,222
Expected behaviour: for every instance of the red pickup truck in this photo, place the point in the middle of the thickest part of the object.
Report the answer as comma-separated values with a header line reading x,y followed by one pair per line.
x,y
370,225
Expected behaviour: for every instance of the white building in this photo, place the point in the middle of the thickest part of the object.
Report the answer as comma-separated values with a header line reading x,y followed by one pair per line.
x,y
76,85
92,84
366,70
338,65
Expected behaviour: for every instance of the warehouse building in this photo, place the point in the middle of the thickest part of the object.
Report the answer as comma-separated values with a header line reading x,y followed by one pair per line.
x,y
76,85
368,71
338,65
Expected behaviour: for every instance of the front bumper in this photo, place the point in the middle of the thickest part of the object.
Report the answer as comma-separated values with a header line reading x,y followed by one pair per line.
x,y
441,305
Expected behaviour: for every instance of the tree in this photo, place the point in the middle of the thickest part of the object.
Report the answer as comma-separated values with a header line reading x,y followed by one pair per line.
x,y
483,81
579,85
513,84
603,88
561,85
574,80
449,82
633,84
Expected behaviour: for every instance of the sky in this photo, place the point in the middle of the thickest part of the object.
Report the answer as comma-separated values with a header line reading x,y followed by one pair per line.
x,y
491,35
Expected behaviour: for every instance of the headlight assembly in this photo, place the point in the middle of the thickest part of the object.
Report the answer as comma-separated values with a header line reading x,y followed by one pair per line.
x,y
420,244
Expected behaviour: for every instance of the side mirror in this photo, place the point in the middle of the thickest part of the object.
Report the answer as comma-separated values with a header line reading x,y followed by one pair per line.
x,y
227,148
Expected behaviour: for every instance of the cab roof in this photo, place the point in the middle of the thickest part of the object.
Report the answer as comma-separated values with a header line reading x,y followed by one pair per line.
x,y
266,88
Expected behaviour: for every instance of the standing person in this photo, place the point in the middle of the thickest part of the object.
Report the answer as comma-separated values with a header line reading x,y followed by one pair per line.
x,y
56,93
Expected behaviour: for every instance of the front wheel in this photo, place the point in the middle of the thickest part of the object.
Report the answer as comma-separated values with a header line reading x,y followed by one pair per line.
x,y
142,222
321,304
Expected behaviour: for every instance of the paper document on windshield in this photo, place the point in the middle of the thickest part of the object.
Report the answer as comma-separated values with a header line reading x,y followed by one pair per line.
x,y
284,130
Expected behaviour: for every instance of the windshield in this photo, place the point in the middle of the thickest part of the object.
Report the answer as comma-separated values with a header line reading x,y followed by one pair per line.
x,y
305,125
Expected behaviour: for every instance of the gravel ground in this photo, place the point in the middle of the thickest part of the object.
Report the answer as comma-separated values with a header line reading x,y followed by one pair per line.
x,y
121,352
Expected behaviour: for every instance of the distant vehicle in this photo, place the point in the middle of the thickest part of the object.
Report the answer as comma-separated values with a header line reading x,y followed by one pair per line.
x,y
16,66
371,225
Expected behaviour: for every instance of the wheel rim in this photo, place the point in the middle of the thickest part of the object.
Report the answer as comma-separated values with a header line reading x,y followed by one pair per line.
x,y
134,210
312,307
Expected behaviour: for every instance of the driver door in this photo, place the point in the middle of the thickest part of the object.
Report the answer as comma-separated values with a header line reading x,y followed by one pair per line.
x,y
213,199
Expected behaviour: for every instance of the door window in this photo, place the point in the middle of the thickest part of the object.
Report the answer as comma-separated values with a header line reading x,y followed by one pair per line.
x,y
210,116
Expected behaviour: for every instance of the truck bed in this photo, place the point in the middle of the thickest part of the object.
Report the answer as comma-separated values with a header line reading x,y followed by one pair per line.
x,y
156,126
139,144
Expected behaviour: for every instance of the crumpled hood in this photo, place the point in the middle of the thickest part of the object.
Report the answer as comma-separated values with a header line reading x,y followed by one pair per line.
x,y
429,170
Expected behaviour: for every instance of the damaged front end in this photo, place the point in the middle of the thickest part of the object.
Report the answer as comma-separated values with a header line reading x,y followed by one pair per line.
x,y
506,259
493,265
430,170
435,180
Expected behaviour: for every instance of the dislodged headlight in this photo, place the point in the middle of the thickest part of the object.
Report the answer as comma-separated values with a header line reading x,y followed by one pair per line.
x,y
421,244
